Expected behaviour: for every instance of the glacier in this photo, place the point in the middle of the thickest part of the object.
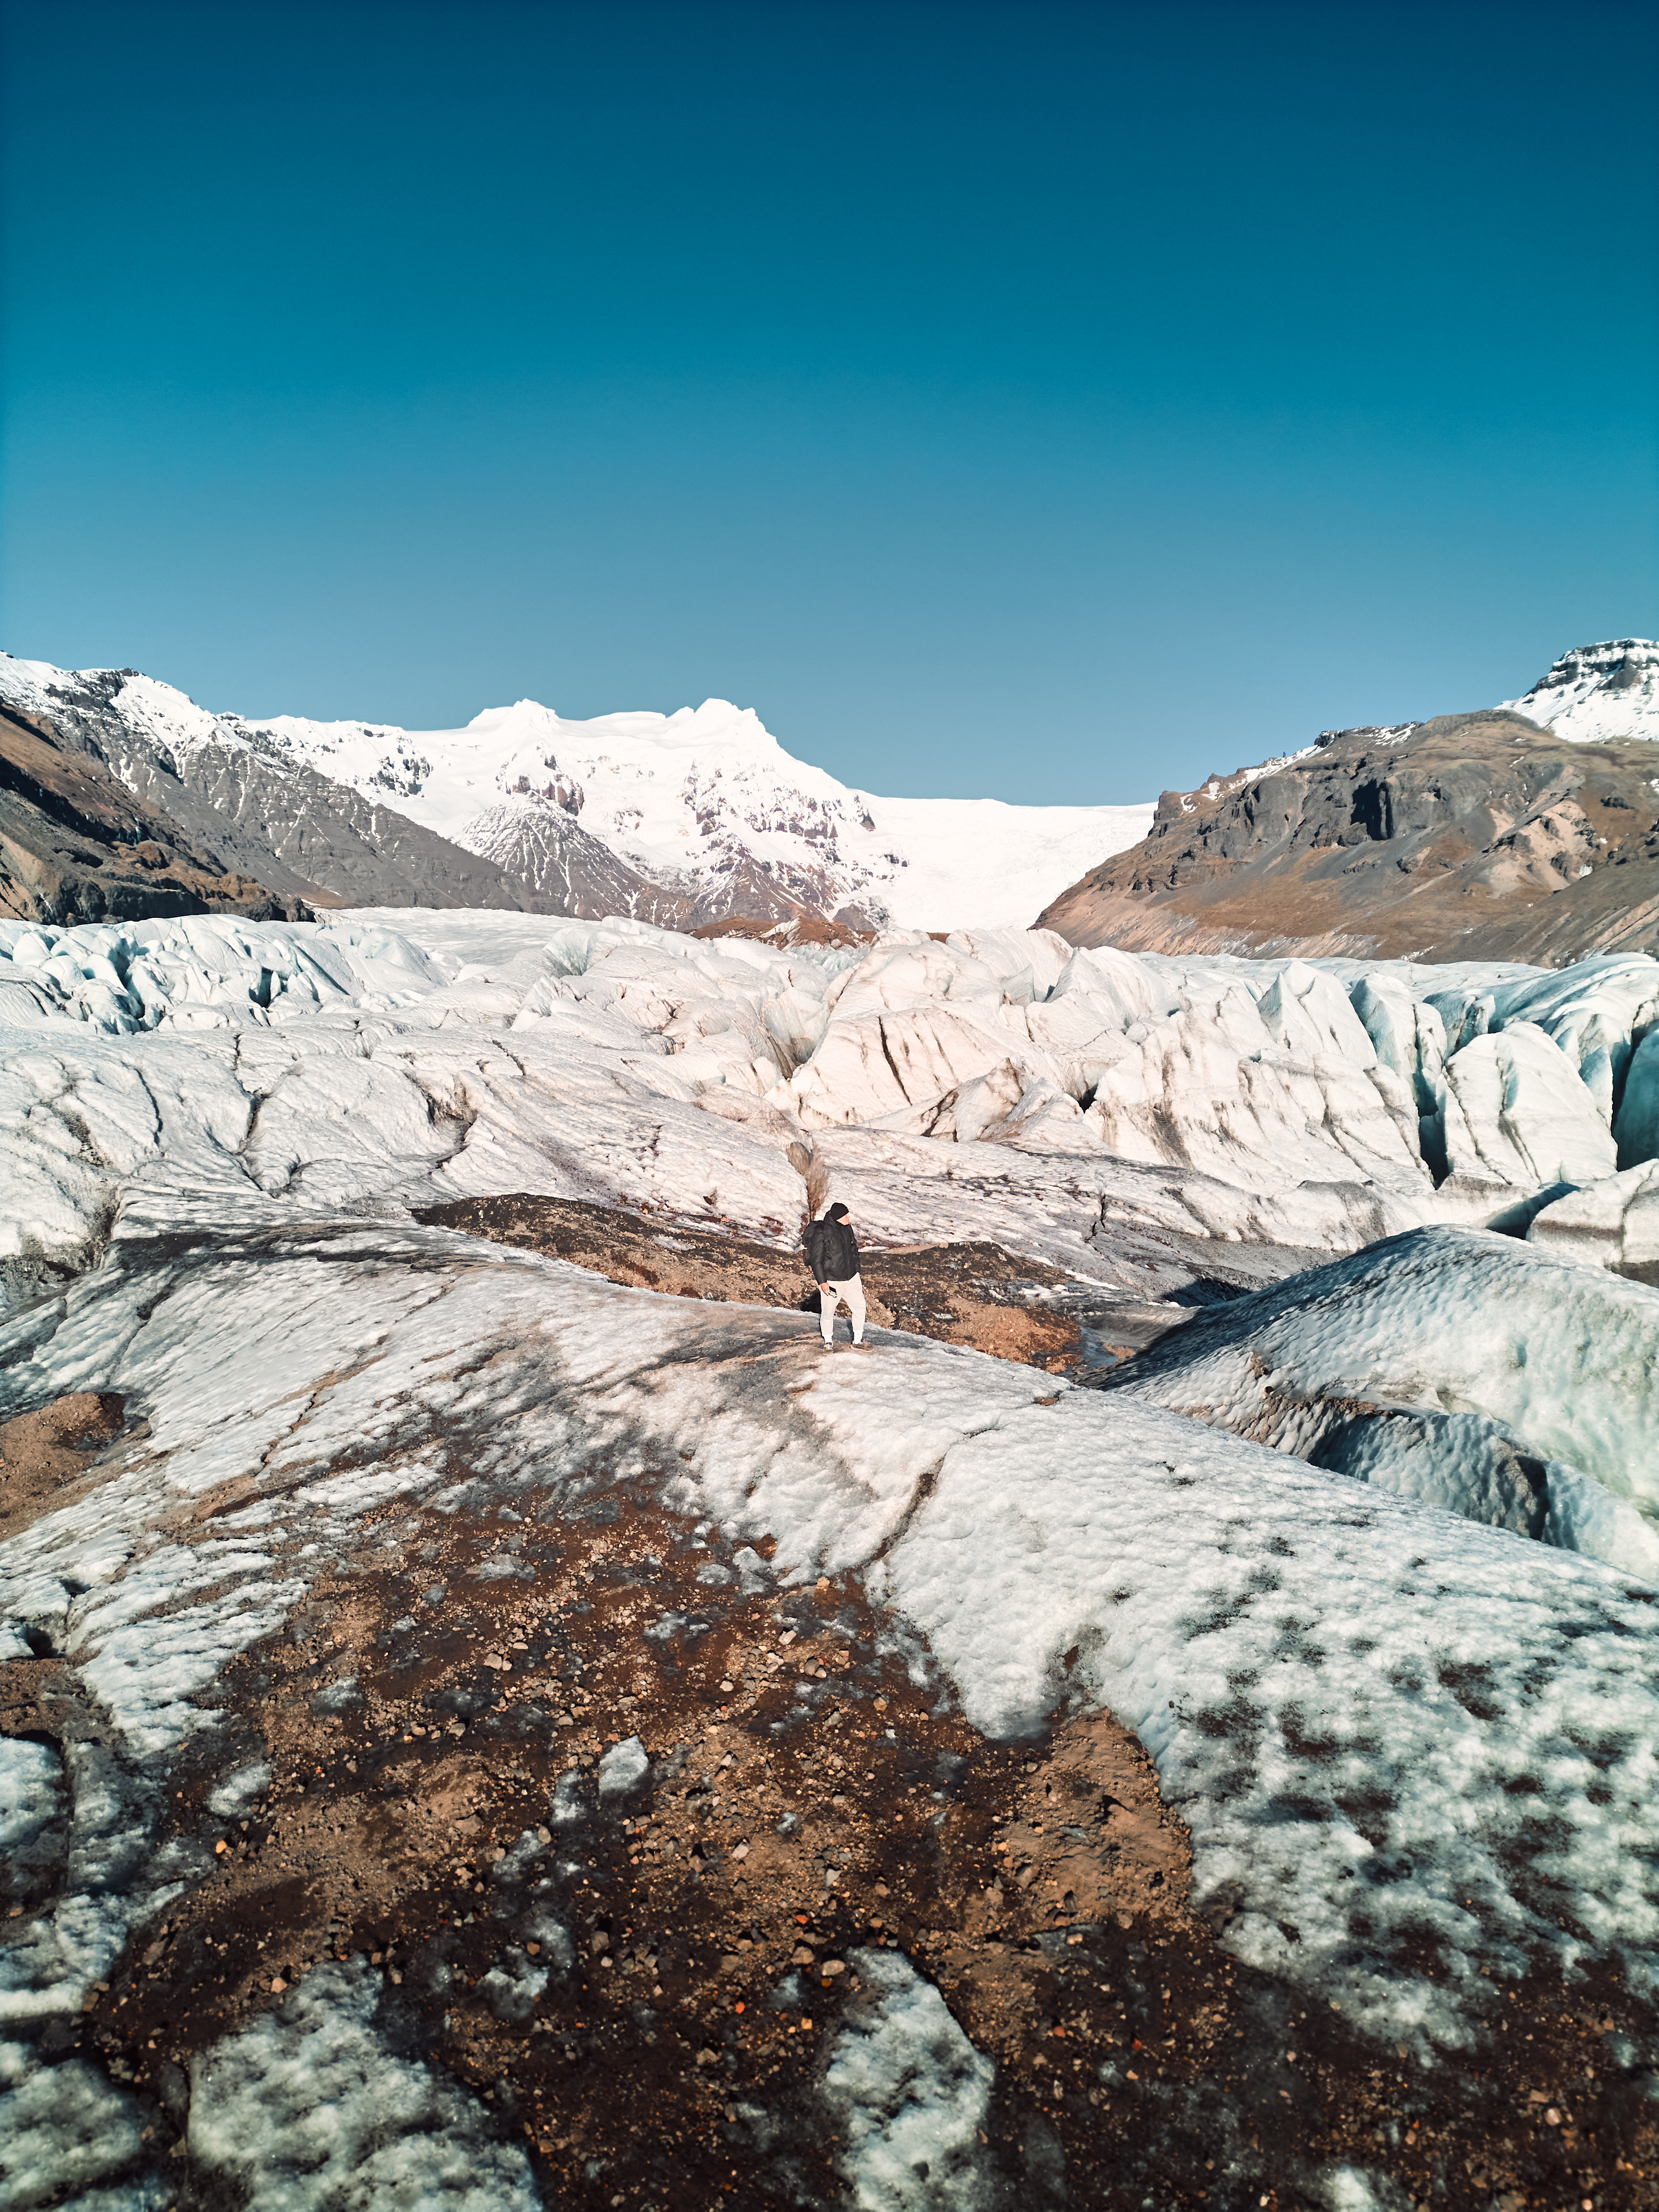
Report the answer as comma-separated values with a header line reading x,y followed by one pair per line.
x,y
1365,1549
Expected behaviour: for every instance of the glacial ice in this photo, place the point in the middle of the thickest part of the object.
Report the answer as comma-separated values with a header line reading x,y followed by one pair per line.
x,y
1446,1320
64,2127
1514,1111
309,2107
1612,1223
911,2093
1276,1633
998,1084
1636,1128
211,1133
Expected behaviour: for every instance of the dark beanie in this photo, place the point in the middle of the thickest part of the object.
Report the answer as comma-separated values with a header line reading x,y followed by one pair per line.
x,y
837,1211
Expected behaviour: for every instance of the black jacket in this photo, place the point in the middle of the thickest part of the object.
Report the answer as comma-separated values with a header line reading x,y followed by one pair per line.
x,y
832,1251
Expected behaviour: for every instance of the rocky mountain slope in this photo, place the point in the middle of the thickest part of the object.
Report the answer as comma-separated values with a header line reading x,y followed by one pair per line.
x,y
1471,836
274,818
77,844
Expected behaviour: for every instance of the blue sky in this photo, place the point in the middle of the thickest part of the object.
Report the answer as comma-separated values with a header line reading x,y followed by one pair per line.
x,y
1049,402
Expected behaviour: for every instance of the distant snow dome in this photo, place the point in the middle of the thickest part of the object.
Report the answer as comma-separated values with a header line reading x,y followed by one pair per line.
x,y
705,795
1597,692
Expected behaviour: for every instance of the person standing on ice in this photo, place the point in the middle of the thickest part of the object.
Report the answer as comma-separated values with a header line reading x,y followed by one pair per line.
x,y
832,1253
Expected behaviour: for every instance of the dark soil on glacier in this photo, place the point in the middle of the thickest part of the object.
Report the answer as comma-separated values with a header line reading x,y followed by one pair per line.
x,y
972,1294
812,1796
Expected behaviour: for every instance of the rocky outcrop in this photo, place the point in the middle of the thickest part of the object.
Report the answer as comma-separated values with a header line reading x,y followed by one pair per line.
x,y
1472,836
560,861
77,845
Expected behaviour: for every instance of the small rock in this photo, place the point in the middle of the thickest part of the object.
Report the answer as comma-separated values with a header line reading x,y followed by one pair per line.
x,y
598,1942
708,2058
832,1967
725,1689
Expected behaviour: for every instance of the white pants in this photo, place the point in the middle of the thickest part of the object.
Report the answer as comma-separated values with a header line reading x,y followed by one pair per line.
x,y
853,1294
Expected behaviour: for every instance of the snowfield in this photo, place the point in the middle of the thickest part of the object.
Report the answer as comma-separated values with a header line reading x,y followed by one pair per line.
x,y
676,795
1367,1553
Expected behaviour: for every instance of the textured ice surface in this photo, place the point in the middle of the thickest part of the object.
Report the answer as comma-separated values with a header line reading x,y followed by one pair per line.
x,y
1638,1125
997,1086
66,2127
1614,1223
1339,1686
209,1145
309,2109
83,1832
910,2093
624,1767
1562,1359
1350,2189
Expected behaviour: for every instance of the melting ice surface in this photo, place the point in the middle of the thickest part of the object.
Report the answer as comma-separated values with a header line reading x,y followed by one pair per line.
x,y
210,1136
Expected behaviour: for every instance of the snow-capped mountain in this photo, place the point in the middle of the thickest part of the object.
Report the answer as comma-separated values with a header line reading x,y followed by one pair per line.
x,y
1597,692
685,818
706,802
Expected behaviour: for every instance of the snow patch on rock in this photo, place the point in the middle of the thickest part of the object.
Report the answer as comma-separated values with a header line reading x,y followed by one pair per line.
x,y
911,2094
309,2107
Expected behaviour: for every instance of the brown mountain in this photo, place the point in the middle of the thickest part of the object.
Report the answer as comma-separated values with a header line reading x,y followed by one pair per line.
x,y
1472,836
77,845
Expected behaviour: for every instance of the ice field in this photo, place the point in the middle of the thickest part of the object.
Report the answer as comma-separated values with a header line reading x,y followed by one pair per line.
x,y
1366,1554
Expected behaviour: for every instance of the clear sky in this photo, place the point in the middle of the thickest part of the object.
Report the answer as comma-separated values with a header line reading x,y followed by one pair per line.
x,y
1046,401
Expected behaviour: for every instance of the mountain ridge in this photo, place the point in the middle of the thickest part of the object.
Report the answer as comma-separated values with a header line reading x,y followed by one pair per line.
x,y
685,819
700,819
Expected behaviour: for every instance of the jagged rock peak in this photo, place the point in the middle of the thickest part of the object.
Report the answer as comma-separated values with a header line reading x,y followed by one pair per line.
x,y
1598,692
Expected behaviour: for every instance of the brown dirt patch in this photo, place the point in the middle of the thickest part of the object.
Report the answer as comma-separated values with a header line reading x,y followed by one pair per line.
x,y
51,1457
972,1294
801,928
643,1987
